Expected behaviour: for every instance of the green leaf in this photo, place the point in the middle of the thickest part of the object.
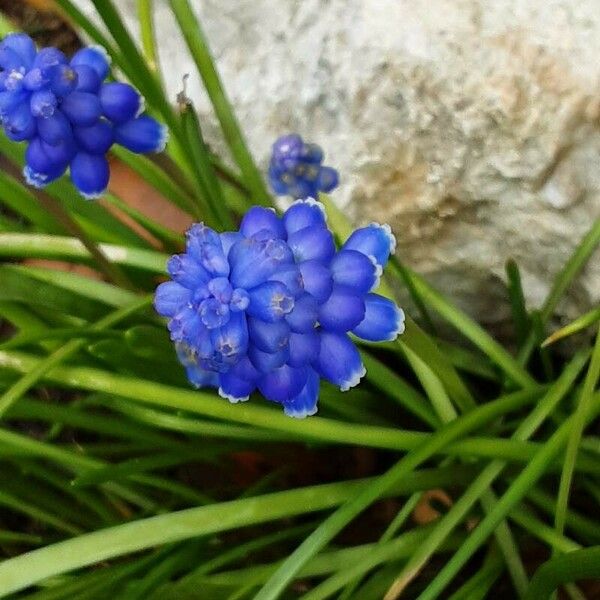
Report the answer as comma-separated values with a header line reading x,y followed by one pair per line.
x,y
196,41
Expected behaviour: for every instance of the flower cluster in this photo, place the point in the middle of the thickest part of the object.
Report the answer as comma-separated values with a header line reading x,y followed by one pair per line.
x,y
67,113
270,307
296,169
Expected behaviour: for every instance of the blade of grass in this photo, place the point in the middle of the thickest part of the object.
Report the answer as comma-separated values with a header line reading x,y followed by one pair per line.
x,y
486,478
574,327
579,421
9,397
144,12
517,301
569,272
580,564
27,569
196,41
528,477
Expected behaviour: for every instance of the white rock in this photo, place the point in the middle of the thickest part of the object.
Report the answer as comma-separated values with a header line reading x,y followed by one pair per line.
x,y
471,126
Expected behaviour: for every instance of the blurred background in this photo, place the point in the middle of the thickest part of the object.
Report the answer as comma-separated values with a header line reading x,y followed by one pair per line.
x,y
471,126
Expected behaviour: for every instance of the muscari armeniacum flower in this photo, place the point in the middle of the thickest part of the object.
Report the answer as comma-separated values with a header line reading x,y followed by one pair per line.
x,y
296,169
271,306
68,114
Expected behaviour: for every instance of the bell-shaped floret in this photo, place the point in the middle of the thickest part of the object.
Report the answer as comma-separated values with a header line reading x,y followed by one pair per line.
x,y
284,383
312,243
303,316
305,403
265,362
22,46
142,135
355,270
316,279
94,57
186,271
374,240
304,213
120,102
88,79
95,139
259,218
90,174
304,348
269,337
54,129
82,108
170,298
253,261
343,310
383,320
270,301
239,381
339,361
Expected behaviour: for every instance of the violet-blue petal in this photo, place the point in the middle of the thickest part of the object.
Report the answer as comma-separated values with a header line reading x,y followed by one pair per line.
x,y
36,79
10,60
213,313
270,301
213,259
90,174
49,57
197,235
228,239
355,270
63,80
19,124
316,279
11,100
283,384
266,362
343,310
187,271
291,277
327,179
38,159
95,57
82,108
239,381
258,218
304,213
43,103
62,152
231,340
303,316
312,243
39,180
304,348
120,102
142,135
22,45
253,261
383,320
88,79
269,337
200,377
186,326
305,403
95,139
170,298
339,361
374,240
54,129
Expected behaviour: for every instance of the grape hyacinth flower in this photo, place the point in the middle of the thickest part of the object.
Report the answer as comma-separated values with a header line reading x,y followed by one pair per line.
x,y
271,306
68,114
296,169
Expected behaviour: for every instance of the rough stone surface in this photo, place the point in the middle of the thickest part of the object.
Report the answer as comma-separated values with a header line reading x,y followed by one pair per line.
x,y
471,126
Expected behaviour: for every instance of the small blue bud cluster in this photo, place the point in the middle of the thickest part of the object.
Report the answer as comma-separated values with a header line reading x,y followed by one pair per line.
x,y
270,307
67,113
296,169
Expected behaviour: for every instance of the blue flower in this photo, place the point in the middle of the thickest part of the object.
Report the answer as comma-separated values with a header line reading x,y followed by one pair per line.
x,y
296,169
68,115
271,306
